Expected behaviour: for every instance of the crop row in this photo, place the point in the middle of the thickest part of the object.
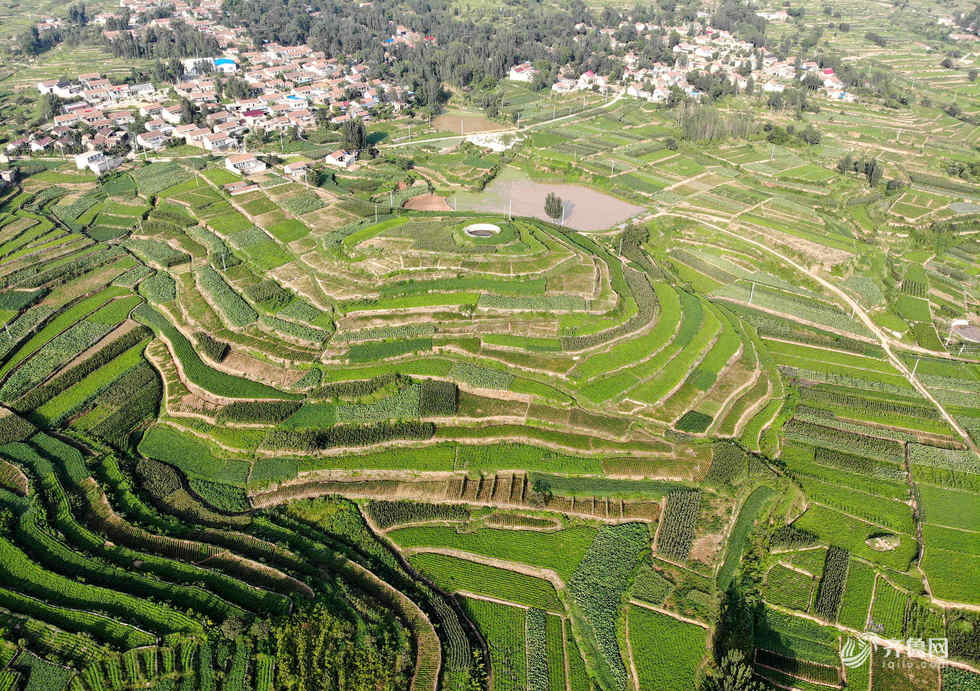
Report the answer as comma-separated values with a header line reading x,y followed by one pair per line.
x,y
196,371
238,312
131,400
310,334
561,550
157,252
677,532
804,669
832,583
858,464
52,355
453,575
480,377
788,588
819,435
35,397
598,586
877,405
961,461
262,412
667,652
269,294
346,435
504,629
386,514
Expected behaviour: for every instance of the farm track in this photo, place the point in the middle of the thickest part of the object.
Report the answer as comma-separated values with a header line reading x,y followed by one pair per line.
x,y
672,615
884,340
895,645
517,567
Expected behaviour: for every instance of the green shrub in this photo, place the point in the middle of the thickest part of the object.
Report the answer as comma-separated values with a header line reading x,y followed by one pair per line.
x,y
269,294
693,421
238,312
160,287
438,398
14,428
265,412
216,350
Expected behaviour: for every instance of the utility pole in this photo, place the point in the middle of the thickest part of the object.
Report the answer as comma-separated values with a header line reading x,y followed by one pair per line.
x,y
917,361
376,212
752,293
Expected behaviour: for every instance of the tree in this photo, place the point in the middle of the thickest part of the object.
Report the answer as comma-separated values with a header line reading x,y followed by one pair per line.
x,y
810,135
812,81
187,110
734,674
232,627
554,206
873,171
77,14
354,134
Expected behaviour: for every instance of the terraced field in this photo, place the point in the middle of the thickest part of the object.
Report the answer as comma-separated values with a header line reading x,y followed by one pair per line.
x,y
307,433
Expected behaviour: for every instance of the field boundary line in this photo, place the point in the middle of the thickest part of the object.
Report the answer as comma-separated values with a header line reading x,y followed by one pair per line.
x,y
859,311
878,640
673,615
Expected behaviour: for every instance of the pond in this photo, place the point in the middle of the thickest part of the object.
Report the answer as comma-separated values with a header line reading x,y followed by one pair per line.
x,y
585,208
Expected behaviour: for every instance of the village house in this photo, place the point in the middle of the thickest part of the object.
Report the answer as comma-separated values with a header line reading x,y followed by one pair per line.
x,y
96,161
522,73
297,169
341,158
244,164
152,140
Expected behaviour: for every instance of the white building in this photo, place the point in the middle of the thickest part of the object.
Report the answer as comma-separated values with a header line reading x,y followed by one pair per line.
x,y
152,140
297,169
522,73
96,161
341,158
244,164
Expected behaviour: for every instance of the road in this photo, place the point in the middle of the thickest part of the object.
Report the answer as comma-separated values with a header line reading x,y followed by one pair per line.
x,y
885,341
512,130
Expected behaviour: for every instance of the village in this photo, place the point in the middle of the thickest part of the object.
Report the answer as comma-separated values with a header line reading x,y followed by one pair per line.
x,y
295,89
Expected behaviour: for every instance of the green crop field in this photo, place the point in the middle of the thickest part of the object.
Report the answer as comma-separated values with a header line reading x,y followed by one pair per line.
x,y
657,370
667,651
